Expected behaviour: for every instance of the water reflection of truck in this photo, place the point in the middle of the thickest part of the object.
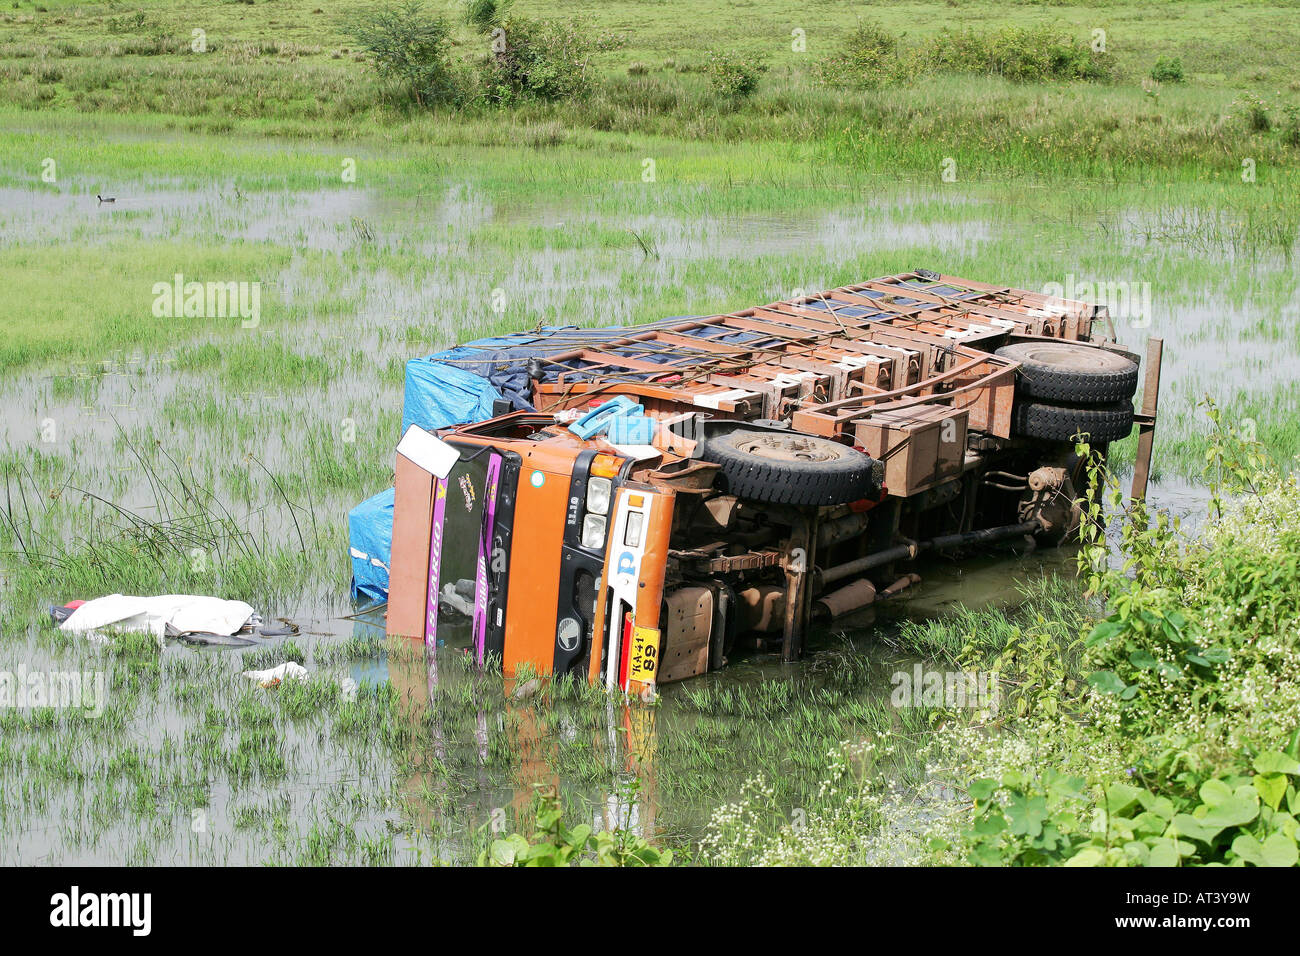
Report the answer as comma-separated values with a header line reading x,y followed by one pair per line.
x,y
659,491
454,724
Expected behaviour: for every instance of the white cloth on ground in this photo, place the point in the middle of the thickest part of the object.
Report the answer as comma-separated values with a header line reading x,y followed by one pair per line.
x,y
185,612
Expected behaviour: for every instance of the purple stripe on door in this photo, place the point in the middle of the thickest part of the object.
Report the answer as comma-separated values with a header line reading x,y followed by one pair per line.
x,y
484,556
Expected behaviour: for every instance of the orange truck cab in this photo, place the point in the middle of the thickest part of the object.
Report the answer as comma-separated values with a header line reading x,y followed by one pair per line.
x,y
568,552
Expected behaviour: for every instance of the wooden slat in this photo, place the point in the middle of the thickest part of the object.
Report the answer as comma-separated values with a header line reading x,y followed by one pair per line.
x,y
914,339
953,305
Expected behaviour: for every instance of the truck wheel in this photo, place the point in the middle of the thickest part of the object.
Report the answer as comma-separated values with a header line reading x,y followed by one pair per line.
x,y
1099,423
790,468
1066,372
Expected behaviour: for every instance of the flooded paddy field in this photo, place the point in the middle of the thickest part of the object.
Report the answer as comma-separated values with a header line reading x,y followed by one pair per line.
x,y
147,451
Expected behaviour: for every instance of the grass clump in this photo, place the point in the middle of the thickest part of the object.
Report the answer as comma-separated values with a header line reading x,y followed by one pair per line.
x,y
732,76
1021,54
187,541
867,59
1168,70
358,648
871,57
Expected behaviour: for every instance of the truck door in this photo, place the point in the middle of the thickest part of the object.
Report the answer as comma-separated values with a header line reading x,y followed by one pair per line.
x,y
470,545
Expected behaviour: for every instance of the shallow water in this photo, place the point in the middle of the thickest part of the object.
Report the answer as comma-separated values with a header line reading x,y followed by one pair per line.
x,y
616,764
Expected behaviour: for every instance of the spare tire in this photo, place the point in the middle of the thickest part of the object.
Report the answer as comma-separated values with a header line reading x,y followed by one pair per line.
x,y
1100,423
1069,373
789,468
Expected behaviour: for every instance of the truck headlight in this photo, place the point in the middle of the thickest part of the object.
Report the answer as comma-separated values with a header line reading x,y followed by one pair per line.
x,y
593,531
632,533
599,491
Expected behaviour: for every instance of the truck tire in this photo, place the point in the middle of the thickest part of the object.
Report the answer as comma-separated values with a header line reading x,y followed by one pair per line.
x,y
790,468
1067,373
1100,423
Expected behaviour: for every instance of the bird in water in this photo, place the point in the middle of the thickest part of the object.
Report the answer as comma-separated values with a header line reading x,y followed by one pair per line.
x,y
104,199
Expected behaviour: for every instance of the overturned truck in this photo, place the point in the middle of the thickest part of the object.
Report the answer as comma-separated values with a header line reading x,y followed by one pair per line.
x,y
641,499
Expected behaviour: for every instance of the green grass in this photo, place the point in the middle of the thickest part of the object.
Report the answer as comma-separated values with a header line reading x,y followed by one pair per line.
x,y
401,771
107,311
986,630
307,81
1210,38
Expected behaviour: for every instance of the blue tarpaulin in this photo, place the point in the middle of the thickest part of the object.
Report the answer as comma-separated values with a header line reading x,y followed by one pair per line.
x,y
499,364
370,535
438,395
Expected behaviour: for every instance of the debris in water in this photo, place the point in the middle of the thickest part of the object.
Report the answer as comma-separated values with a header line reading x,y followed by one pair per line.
x,y
527,689
273,676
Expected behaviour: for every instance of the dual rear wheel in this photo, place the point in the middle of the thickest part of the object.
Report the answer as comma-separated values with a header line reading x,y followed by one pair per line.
x,y
1065,390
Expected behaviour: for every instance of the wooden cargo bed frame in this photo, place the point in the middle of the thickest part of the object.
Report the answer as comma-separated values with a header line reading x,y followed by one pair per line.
x,y
829,359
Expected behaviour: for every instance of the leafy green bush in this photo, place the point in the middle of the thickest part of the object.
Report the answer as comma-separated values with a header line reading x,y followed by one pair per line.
x,y
486,14
1036,668
1183,749
1195,674
1228,818
554,844
732,76
407,47
1203,628
537,59
1167,70
868,58
127,23
871,57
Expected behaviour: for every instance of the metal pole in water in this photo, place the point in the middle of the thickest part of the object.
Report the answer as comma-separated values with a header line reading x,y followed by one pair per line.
x,y
798,594
1146,420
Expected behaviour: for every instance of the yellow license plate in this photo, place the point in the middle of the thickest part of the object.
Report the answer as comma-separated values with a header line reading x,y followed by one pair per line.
x,y
644,654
